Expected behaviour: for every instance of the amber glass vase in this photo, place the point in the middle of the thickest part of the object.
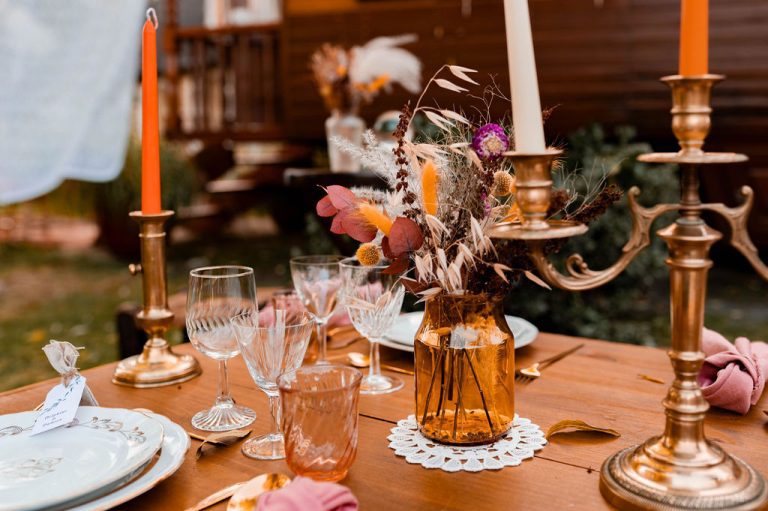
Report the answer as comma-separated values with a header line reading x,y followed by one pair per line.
x,y
465,370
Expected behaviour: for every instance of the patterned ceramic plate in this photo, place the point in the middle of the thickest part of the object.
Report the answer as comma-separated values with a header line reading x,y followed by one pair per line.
x,y
400,336
101,450
175,445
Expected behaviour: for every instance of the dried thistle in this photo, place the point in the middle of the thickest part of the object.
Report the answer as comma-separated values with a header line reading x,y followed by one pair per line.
x,y
503,183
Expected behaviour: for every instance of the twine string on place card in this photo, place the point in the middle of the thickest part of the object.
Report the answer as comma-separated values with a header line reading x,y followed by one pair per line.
x,y
63,356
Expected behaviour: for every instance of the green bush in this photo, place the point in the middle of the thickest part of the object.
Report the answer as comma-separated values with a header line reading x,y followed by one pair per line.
x,y
627,309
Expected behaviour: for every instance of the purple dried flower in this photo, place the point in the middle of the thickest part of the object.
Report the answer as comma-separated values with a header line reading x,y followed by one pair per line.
x,y
486,204
490,141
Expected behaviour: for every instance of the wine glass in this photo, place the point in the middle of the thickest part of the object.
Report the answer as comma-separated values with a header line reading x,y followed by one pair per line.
x,y
373,300
270,347
216,294
316,279
288,299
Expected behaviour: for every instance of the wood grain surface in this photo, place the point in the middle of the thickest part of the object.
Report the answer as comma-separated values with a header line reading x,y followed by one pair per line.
x,y
599,384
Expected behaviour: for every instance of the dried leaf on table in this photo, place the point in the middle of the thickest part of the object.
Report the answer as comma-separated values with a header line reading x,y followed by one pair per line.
x,y
650,378
577,425
223,438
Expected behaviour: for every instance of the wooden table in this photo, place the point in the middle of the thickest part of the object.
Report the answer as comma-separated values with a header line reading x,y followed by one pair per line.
x,y
599,384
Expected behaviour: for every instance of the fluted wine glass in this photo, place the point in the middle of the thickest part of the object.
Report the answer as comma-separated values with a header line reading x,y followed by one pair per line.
x,y
373,300
217,294
317,281
271,345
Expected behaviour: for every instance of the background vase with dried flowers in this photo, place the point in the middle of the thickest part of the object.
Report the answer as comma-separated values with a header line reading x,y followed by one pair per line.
x,y
347,78
446,194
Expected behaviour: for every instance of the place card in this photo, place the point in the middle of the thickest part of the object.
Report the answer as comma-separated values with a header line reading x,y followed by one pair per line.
x,y
60,406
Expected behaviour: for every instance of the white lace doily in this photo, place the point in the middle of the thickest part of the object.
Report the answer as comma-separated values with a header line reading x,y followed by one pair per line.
x,y
518,444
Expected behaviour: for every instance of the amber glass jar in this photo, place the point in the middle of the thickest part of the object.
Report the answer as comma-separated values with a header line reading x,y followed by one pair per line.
x,y
465,368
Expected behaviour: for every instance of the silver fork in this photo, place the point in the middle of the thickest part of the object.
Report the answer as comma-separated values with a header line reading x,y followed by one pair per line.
x,y
528,374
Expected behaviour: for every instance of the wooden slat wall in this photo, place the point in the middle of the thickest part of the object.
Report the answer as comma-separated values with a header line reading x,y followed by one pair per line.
x,y
599,64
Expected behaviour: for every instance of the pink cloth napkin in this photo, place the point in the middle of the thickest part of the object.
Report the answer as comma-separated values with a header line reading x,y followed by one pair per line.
x,y
339,318
733,375
304,494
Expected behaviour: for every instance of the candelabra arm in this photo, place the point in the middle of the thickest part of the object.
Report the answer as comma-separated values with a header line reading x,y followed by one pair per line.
x,y
737,220
580,277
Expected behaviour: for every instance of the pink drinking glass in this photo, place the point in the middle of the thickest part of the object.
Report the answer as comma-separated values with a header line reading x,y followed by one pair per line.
x,y
320,410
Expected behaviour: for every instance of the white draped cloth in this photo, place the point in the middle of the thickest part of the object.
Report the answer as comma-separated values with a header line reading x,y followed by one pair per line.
x,y
68,71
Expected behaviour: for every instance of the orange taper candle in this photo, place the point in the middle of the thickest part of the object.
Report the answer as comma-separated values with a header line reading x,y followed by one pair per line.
x,y
150,130
694,37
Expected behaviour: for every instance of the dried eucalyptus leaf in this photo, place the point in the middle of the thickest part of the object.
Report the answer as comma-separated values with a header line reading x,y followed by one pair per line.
x,y
223,438
562,426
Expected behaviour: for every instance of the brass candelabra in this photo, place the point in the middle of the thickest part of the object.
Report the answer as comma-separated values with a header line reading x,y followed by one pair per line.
x,y
157,365
679,469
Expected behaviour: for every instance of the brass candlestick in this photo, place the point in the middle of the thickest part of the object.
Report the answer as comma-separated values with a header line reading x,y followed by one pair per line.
x,y
679,469
157,365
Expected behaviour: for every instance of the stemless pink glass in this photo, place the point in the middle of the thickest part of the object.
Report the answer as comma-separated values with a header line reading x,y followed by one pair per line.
x,y
320,420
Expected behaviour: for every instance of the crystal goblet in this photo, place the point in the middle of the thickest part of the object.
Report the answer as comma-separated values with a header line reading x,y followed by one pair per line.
x,y
373,300
316,279
216,294
270,347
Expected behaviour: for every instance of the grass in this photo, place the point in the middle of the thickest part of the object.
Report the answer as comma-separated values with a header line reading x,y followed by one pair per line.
x,y
50,294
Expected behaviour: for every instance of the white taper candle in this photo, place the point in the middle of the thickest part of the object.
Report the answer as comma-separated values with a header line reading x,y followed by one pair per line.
x,y
523,82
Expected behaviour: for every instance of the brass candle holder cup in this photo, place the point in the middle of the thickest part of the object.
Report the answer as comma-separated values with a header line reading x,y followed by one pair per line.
x,y
157,365
680,468
533,174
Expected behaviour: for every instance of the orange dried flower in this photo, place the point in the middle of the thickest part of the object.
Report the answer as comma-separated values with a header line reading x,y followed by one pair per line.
x,y
368,254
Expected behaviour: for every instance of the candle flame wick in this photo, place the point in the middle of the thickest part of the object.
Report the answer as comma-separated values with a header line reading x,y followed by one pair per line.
x,y
152,16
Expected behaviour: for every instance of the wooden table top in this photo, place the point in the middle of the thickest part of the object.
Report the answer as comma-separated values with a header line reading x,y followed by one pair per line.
x,y
599,384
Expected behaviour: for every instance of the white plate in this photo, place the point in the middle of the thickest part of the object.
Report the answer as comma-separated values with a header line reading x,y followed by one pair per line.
x,y
101,450
175,445
400,336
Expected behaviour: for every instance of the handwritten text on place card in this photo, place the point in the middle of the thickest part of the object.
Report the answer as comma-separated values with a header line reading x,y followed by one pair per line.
x,y
60,406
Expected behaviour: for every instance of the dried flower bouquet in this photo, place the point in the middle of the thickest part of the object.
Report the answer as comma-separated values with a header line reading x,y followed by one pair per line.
x,y
445,195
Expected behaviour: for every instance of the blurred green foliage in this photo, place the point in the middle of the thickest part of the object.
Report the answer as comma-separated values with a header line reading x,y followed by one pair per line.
x,y
630,308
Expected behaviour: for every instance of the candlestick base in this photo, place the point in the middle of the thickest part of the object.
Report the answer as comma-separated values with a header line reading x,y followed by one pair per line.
x,y
654,476
156,366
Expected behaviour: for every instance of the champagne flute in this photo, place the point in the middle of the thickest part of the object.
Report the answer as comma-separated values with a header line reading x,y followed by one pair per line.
x,y
216,294
316,279
373,300
270,347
